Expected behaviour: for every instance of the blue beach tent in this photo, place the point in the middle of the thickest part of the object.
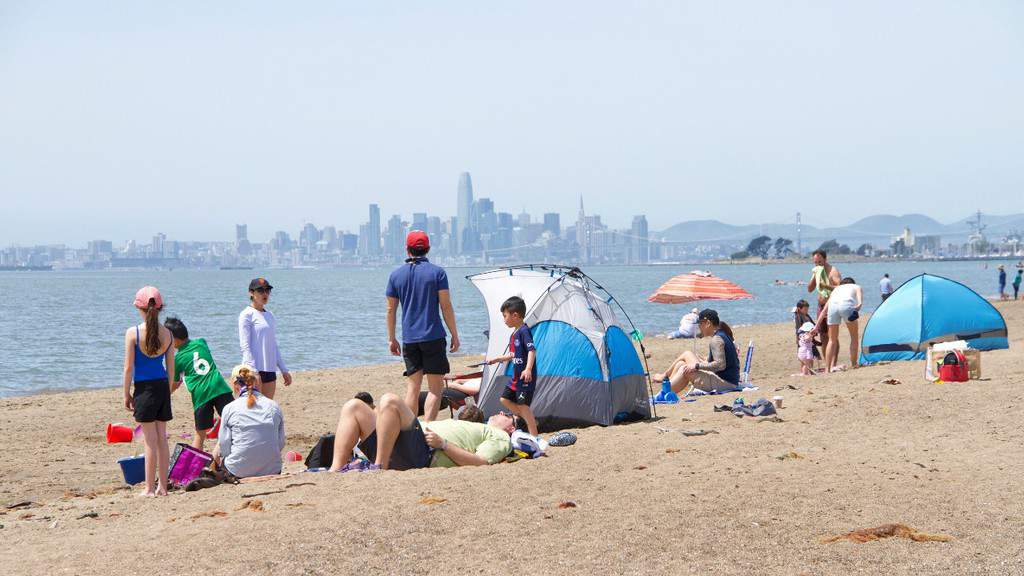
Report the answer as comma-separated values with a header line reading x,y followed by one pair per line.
x,y
927,309
588,369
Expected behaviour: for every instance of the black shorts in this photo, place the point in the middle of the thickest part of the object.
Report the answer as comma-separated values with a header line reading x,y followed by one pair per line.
x,y
523,396
268,376
152,401
204,414
430,357
411,450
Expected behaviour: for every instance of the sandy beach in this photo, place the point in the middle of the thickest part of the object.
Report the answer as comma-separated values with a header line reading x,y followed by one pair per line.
x,y
755,496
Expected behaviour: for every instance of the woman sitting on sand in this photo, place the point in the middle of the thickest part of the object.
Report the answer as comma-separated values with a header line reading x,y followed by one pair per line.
x,y
720,372
251,429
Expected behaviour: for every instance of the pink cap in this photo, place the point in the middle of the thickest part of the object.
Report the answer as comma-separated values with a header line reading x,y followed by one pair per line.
x,y
145,294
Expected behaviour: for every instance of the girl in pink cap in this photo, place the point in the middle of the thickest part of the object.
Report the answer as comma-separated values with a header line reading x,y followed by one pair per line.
x,y
149,364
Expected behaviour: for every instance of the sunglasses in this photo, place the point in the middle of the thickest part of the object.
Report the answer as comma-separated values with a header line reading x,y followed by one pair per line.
x,y
263,290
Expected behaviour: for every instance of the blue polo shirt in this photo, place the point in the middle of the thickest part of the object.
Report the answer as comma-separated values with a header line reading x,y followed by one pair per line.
x,y
416,284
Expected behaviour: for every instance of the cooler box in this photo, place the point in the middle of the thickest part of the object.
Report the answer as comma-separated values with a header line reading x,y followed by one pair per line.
x,y
134,469
187,464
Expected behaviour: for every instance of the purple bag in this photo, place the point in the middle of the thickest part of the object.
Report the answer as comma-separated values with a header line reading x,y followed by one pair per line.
x,y
186,464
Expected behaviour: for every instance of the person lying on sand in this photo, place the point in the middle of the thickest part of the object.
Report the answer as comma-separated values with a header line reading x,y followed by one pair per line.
x,y
393,438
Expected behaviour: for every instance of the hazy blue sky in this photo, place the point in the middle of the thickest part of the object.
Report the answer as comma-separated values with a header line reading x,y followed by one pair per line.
x,y
120,119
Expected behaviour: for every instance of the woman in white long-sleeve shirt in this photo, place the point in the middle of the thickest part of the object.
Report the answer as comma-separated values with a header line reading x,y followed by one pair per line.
x,y
258,340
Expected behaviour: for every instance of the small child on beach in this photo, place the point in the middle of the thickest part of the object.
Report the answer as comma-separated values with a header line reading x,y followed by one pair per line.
x,y
193,364
148,370
805,350
518,393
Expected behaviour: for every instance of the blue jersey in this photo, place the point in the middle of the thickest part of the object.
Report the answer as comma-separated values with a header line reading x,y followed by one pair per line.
x,y
416,285
520,346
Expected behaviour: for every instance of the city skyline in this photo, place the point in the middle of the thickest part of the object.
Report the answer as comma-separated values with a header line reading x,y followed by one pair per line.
x,y
481,233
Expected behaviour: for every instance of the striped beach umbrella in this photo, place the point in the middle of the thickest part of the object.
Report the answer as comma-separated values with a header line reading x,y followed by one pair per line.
x,y
697,286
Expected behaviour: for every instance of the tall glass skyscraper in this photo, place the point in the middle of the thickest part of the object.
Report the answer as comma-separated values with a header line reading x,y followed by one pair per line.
x,y
465,210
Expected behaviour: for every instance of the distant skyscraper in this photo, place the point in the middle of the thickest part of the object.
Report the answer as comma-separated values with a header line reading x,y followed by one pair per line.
x,y
465,209
419,221
553,223
373,231
523,220
582,236
394,238
639,251
242,247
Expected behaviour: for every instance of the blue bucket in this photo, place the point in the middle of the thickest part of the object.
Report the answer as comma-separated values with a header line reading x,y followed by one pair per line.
x,y
133,468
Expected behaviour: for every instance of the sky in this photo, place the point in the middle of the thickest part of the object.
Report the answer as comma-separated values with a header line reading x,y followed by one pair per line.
x,y
122,119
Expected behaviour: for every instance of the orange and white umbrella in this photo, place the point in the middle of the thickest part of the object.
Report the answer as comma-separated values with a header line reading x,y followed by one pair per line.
x,y
697,286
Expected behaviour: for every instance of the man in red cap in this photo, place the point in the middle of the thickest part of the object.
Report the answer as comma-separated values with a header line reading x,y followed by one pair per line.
x,y
422,290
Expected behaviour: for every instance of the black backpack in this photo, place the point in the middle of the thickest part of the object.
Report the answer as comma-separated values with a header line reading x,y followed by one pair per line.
x,y
322,454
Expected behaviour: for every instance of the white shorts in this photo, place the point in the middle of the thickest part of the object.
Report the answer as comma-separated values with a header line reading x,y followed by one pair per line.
x,y
840,312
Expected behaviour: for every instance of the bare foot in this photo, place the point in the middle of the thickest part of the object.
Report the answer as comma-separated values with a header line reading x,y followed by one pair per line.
x,y
145,494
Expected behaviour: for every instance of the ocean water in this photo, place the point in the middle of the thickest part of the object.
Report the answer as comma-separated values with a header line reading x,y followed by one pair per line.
x,y
64,330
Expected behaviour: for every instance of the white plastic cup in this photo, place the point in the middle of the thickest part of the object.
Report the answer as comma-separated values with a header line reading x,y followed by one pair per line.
x,y
777,400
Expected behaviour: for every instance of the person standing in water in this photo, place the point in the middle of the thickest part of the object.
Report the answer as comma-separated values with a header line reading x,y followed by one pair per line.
x,y
257,337
885,286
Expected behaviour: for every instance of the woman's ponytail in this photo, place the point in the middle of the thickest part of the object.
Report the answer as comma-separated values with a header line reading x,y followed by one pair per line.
x,y
251,400
152,346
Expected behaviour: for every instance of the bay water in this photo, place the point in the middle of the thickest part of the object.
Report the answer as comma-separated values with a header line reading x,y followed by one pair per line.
x,y
64,330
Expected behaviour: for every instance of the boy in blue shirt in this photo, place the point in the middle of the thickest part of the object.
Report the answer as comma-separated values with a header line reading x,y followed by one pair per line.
x,y
518,393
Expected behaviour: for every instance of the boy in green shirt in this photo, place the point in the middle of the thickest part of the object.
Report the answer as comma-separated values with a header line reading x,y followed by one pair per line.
x,y
194,364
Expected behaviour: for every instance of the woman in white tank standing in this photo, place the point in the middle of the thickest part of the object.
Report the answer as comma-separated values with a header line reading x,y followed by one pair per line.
x,y
843,305
258,340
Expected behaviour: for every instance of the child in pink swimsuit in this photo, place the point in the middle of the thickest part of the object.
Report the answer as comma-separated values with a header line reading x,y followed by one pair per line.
x,y
805,350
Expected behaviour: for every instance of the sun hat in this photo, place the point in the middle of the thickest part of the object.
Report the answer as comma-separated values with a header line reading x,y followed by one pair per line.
x,y
417,239
145,294
259,283
807,327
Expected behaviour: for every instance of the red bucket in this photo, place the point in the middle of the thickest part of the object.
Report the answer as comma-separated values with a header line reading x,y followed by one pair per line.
x,y
117,434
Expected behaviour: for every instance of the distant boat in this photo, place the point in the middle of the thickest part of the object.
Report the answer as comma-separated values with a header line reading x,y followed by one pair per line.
x,y
236,267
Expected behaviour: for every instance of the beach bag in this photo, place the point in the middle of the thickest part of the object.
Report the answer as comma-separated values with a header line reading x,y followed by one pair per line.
x,y
954,367
322,454
187,463
526,444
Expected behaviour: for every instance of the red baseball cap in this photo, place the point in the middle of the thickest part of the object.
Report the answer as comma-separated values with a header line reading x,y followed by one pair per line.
x,y
145,294
417,239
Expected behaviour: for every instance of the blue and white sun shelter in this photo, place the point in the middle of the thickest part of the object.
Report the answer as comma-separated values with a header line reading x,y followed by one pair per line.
x,y
928,309
588,369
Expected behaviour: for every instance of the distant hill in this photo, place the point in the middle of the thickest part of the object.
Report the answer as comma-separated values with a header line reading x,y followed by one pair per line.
x,y
877,230
888,225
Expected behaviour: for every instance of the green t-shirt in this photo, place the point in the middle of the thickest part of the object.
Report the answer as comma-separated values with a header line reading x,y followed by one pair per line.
x,y
485,441
194,365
